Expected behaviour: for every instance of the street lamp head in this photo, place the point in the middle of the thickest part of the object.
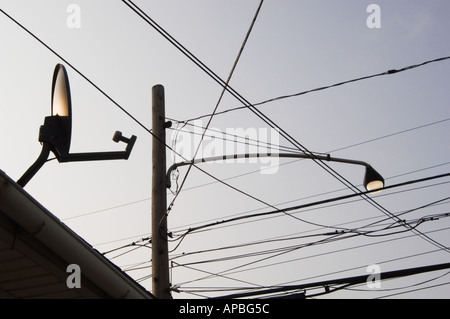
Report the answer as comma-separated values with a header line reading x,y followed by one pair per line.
x,y
373,181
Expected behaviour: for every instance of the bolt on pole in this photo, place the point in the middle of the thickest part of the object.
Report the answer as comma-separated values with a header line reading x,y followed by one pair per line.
x,y
160,255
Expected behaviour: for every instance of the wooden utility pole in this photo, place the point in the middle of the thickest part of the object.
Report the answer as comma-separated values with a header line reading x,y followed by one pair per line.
x,y
160,255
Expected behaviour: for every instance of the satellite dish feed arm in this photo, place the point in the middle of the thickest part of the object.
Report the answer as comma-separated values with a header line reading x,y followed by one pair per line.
x,y
53,134
101,156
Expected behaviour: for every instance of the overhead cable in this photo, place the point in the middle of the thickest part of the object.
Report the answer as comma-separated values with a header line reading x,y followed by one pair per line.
x,y
389,72
123,109
267,120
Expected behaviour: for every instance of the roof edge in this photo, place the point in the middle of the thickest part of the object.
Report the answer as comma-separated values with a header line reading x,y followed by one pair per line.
x,y
21,207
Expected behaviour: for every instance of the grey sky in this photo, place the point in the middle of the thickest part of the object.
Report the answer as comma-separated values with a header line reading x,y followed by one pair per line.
x,y
294,46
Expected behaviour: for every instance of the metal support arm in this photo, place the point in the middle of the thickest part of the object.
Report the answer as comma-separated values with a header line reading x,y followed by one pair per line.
x,y
253,155
99,156
32,170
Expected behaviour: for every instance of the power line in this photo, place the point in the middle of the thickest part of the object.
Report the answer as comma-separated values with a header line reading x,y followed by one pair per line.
x,y
300,236
120,107
320,202
365,265
277,253
291,287
226,84
214,274
335,150
184,230
267,120
430,216
192,290
92,83
341,232
333,237
290,162
417,289
287,148
78,72
328,253
426,217
143,15
325,166
371,233
245,140
218,102
404,287
389,72
214,76
359,230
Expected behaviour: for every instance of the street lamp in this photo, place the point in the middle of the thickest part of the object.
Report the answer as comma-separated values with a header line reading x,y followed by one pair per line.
x,y
55,134
373,181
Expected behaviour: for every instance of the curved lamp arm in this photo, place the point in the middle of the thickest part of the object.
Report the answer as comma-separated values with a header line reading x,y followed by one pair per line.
x,y
373,181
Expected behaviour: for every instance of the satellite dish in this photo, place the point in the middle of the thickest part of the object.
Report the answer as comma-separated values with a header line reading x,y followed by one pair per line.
x,y
61,106
56,132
